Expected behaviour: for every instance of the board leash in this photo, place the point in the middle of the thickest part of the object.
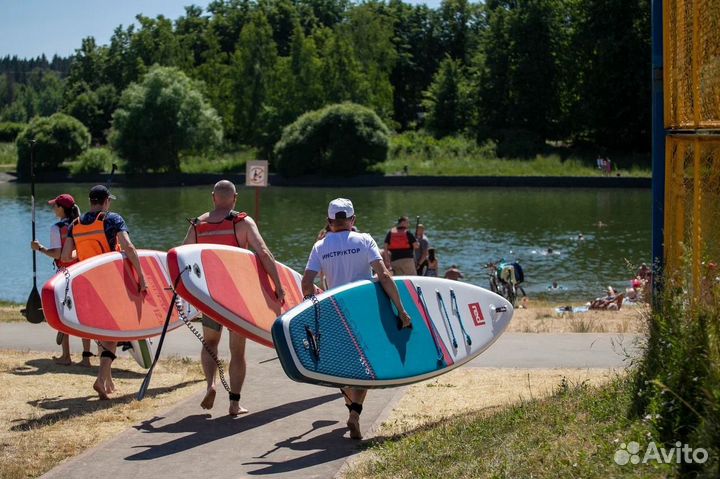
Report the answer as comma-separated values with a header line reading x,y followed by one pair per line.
x,y
198,334
456,313
66,299
446,317
430,326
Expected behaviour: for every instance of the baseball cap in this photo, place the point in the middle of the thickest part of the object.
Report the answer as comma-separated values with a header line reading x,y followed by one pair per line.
x,y
99,193
340,208
65,200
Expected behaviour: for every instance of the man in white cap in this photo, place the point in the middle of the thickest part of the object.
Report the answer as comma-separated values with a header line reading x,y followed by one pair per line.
x,y
344,256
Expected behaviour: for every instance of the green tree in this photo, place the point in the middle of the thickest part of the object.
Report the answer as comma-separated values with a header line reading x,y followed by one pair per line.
x,y
94,108
370,29
338,140
342,73
516,72
160,117
417,43
58,138
446,101
254,72
613,60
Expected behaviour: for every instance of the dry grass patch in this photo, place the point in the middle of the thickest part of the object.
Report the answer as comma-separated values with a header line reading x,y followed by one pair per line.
x,y
10,313
544,319
50,412
469,389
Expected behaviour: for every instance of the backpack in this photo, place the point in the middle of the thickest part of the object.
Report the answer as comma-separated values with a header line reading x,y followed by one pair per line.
x,y
519,275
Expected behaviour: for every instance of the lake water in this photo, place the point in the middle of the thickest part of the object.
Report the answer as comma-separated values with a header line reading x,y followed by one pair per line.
x,y
467,226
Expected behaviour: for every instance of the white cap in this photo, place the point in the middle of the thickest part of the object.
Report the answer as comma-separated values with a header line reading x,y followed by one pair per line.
x,y
340,205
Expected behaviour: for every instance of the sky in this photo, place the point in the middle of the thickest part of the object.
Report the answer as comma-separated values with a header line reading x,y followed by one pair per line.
x,y
29,28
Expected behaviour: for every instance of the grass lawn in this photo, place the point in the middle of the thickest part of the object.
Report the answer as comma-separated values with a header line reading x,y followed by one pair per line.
x,y
8,157
573,433
226,162
53,414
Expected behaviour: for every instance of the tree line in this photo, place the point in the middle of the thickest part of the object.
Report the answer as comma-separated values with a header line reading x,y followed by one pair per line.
x,y
519,72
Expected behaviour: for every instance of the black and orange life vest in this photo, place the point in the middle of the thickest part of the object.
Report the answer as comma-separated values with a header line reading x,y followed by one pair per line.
x,y
399,240
221,232
63,227
90,240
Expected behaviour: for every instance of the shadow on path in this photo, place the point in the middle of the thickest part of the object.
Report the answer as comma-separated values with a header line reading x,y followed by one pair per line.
x,y
80,406
328,447
205,430
38,367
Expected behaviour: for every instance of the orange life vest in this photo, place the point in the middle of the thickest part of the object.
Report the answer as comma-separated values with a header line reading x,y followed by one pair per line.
x,y
222,232
63,227
90,240
399,240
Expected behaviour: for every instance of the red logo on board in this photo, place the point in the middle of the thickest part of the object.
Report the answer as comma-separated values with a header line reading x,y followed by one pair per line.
x,y
476,314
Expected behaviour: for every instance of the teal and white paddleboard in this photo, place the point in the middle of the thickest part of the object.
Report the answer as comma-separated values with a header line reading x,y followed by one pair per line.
x,y
350,336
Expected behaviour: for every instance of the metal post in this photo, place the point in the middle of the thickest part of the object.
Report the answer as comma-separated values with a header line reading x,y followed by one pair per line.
x,y
257,204
658,145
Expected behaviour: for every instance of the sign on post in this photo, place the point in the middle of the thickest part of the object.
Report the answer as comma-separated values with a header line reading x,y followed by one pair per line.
x,y
256,173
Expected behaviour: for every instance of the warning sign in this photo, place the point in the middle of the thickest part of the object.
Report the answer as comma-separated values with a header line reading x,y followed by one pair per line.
x,y
256,173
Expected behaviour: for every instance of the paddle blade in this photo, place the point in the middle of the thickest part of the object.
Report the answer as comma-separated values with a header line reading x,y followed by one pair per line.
x,y
33,308
145,384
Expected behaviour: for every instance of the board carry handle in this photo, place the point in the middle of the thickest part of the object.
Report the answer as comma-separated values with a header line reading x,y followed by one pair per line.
x,y
446,317
432,331
456,313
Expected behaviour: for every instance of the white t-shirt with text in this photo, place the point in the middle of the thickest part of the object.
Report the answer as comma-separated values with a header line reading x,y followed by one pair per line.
x,y
344,257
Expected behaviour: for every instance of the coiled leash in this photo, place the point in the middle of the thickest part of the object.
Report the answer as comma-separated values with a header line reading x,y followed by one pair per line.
x,y
456,313
198,334
175,303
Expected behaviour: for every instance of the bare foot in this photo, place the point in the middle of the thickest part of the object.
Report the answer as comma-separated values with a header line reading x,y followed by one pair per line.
x,y
85,363
62,360
236,409
102,395
110,386
353,423
209,399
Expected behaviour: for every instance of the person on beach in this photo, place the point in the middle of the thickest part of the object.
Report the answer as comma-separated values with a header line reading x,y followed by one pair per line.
x,y
432,263
224,225
96,232
421,253
453,273
400,246
364,258
66,211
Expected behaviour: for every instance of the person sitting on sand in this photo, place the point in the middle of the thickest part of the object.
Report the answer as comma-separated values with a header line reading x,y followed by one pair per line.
x,y
612,302
454,273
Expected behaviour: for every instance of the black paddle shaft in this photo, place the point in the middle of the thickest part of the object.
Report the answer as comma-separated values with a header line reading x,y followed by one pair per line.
x,y
33,308
32,199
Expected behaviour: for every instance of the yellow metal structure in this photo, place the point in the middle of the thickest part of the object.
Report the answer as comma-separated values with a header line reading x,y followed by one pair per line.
x,y
691,35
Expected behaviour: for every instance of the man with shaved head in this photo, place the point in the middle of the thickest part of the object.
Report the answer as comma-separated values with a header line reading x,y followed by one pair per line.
x,y
224,225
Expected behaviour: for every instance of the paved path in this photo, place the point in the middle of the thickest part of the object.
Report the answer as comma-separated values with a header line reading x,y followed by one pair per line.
x,y
294,430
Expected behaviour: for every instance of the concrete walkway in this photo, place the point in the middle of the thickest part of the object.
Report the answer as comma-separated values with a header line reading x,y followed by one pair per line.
x,y
293,430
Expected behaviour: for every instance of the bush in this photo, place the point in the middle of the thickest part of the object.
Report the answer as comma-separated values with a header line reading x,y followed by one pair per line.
x,y
94,160
338,140
58,138
159,118
9,130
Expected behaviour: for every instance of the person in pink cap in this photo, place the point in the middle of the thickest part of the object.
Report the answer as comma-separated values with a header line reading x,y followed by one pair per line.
x,y
66,211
